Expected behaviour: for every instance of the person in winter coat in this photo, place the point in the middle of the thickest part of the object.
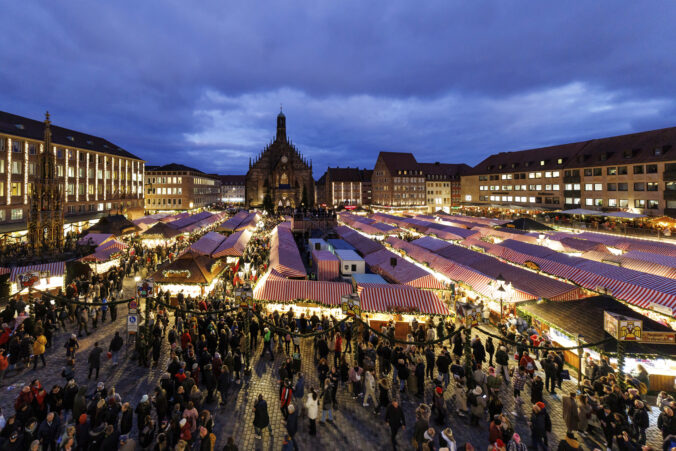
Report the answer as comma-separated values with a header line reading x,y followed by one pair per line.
x,y
569,411
383,393
502,359
82,432
584,412
477,405
39,351
640,421
422,416
48,432
312,406
327,401
536,389
292,424
490,350
369,389
394,416
666,422
127,419
515,444
261,418
439,405
115,346
94,360
80,402
540,424
285,398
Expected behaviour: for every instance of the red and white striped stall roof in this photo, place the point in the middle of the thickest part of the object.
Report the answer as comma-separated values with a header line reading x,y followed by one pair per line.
x,y
55,269
208,243
273,287
384,298
405,272
326,265
362,244
284,255
234,245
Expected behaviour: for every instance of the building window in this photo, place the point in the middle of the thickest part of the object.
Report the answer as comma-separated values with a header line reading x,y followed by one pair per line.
x,y
640,186
32,149
638,169
17,146
589,202
621,170
15,188
612,186
598,202
624,203
598,172
612,202
639,203
669,186
611,171
587,172
17,213
651,169
17,167
598,187
652,186
623,187
653,204
588,186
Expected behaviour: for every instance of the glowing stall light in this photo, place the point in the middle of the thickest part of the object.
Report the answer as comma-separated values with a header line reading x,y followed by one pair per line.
x,y
614,251
45,283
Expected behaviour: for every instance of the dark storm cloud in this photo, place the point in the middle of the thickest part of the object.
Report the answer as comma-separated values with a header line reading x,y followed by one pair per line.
x,y
201,82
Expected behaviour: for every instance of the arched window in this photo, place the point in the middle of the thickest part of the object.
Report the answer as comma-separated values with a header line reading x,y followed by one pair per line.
x,y
284,179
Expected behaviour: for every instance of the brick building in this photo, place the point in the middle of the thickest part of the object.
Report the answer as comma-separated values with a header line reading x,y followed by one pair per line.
x,y
177,187
634,172
96,176
398,181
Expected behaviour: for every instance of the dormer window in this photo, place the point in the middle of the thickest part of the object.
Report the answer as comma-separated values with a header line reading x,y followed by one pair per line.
x,y
515,165
90,142
542,162
559,161
19,126
70,138
500,166
657,151
628,154
490,167
528,163
603,156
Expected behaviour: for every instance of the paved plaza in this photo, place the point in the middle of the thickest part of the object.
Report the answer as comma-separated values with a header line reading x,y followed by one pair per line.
x,y
355,427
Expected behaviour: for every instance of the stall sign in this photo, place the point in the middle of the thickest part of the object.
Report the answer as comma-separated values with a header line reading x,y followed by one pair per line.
x,y
145,288
622,327
132,323
28,279
471,313
351,305
667,338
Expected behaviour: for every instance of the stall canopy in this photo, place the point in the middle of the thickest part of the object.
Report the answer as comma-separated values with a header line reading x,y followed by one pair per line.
x,y
284,255
175,217
526,224
105,251
95,239
326,265
337,243
234,245
585,317
190,268
399,298
231,224
661,265
275,287
209,242
55,269
360,243
161,230
580,211
117,225
404,272
628,285
148,221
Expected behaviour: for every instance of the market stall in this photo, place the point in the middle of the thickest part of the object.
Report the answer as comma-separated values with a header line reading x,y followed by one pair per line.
x,y
401,271
325,265
233,246
284,255
274,287
117,225
208,243
105,256
566,322
43,277
191,273
361,244
161,234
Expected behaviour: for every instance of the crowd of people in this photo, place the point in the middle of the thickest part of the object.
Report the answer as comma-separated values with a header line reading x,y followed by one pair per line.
x,y
210,341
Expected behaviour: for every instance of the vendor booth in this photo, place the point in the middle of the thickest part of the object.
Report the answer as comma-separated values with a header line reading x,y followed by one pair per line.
x,y
44,277
583,320
105,256
191,273
161,234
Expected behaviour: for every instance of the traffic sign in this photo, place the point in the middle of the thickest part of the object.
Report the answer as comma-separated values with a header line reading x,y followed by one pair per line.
x,y
132,323
133,305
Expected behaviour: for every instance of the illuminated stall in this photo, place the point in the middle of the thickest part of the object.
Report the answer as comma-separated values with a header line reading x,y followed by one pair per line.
x,y
191,273
47,276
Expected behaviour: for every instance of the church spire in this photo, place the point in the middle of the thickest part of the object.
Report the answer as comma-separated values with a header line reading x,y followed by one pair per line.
x,y
281,126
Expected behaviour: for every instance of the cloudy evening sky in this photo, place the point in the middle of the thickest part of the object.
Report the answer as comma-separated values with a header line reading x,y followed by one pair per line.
x,y
200,82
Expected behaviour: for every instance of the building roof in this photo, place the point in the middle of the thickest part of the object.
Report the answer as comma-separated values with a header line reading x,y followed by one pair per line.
x,y
452,171
349,174
24,127
173,167
347,254
117,225
585,317
396,161
232,179
633,148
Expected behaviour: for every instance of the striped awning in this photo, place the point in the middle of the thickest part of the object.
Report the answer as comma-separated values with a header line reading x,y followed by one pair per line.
x,y
274,287
390,298
326,265
234,245
55,269
208,243
284,255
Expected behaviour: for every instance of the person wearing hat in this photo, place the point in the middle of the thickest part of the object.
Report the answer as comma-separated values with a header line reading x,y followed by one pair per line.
x,y
447,440
515,443
439,405
477,405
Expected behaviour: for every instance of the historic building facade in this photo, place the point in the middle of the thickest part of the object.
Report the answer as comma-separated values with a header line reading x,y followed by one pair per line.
x,y
281,173
175,187
345,186
94,176
442,183
635,172
232,188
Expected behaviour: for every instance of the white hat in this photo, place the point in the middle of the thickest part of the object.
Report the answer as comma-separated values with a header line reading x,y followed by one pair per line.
x,y
182,422
144,398
477,390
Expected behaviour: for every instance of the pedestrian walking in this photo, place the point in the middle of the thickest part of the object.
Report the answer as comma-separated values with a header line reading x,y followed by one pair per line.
x,y
261,418
394,417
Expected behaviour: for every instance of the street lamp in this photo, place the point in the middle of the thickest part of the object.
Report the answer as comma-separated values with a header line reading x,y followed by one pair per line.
x,y
501,291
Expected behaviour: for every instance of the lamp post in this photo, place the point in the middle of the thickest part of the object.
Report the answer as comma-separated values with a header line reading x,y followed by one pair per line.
x,y
500,281
580,337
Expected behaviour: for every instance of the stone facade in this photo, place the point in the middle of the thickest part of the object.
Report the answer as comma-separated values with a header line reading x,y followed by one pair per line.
x,y
281,172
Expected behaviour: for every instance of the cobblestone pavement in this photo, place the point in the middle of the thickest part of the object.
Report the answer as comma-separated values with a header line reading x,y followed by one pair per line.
x,y
354,426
